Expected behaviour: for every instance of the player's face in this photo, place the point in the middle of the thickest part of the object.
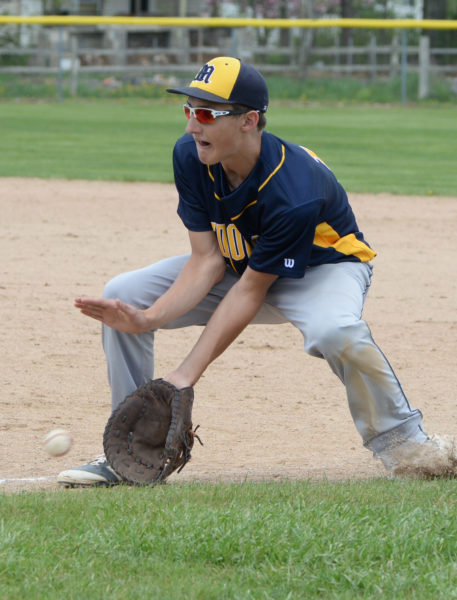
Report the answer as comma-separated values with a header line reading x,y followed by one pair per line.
x,y
218,141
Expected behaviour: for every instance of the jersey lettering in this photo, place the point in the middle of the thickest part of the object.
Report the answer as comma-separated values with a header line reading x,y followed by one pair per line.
x,y
231,243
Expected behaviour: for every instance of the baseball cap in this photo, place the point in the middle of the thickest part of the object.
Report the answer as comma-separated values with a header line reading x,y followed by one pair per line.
x,y
228,81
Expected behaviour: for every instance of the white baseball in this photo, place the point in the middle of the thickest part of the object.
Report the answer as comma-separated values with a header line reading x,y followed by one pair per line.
x,y
57,442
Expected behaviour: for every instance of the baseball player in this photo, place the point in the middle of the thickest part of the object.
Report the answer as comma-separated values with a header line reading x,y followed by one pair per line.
x,y
273,239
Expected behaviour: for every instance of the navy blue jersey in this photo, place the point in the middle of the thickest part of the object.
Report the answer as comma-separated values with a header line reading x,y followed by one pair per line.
x,y
290,213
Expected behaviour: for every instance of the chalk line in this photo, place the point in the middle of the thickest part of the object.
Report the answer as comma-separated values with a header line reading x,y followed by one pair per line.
x,y
13,479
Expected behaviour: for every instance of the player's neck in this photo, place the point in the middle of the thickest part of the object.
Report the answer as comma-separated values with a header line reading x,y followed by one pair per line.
x,y
238,167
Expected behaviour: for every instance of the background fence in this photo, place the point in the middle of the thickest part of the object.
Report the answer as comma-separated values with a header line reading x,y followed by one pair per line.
x,y
150,47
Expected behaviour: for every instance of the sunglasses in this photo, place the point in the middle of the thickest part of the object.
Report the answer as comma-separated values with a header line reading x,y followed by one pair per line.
x,y
208,115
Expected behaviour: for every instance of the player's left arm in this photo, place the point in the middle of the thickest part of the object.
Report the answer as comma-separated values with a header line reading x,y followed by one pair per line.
x,y
233,314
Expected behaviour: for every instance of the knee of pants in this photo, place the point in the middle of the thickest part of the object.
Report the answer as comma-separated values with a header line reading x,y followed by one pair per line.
x,y
333,338
119,287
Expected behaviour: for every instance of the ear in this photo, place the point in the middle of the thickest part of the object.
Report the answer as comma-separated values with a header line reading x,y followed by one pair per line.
x,y
250,120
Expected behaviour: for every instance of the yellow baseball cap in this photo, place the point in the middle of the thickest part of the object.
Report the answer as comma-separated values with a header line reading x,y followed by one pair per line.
x,y
228,81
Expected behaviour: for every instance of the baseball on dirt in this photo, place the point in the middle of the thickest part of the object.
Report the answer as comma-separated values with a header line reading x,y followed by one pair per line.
x,y
57,442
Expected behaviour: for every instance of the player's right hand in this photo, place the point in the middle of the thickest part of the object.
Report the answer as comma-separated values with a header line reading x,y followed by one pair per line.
x,y
114,313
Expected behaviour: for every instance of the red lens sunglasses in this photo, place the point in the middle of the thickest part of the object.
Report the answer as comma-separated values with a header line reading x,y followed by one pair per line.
x,y
209,115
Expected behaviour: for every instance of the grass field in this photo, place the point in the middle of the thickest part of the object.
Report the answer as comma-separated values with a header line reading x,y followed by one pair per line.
x,y
379,539
403,150
283,540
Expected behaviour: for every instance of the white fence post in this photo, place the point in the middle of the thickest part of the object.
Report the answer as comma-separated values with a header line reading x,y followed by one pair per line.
x,y
404,65
395,55
74,65
59,64
424,67
234,42
372,56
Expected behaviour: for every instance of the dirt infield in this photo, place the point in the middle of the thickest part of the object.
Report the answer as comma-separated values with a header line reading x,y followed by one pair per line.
x,y
265,409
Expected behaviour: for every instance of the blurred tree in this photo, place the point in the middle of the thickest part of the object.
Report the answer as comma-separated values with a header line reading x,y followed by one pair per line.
x,y
52,7
347,12
440,9
435,9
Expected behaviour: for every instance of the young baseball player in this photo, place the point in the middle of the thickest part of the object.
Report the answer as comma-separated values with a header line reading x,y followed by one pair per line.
x,y
273,239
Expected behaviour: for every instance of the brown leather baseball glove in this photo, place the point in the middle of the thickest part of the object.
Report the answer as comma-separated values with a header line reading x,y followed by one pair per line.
x,y
150,434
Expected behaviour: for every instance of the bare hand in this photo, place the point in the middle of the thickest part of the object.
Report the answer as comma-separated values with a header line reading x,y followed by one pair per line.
x,y
114,313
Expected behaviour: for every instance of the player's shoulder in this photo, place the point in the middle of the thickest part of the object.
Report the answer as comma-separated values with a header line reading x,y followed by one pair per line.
x,y
293,156
295,177
185,153
185,144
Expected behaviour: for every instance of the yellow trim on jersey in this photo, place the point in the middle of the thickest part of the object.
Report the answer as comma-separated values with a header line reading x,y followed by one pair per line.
x,y
314,155
275,170
264,183
245,208
212,179
327,237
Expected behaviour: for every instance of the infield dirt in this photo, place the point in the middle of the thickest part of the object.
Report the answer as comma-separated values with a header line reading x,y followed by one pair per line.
x,y
266,410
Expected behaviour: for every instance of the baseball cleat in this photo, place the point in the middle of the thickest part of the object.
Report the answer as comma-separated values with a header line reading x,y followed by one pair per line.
x,y
437,457
95,473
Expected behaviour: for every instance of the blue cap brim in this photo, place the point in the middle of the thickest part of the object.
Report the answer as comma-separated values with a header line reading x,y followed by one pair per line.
x,y
201,94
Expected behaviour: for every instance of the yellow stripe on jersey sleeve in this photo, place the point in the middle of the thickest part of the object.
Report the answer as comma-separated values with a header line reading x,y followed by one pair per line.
x,y
281,162
327,237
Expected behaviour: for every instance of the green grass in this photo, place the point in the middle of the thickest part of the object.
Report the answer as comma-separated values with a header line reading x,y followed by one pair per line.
x,y
291,87
93,140
403,150
357,90
371,539
377,539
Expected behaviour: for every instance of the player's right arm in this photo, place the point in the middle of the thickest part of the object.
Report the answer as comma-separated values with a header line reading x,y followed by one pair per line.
x,y
205,267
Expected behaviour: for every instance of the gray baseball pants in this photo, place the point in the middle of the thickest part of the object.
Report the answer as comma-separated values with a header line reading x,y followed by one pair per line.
x,y
326,306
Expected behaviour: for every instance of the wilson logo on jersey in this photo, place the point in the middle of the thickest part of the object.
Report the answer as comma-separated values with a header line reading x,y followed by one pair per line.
x,y
289,262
